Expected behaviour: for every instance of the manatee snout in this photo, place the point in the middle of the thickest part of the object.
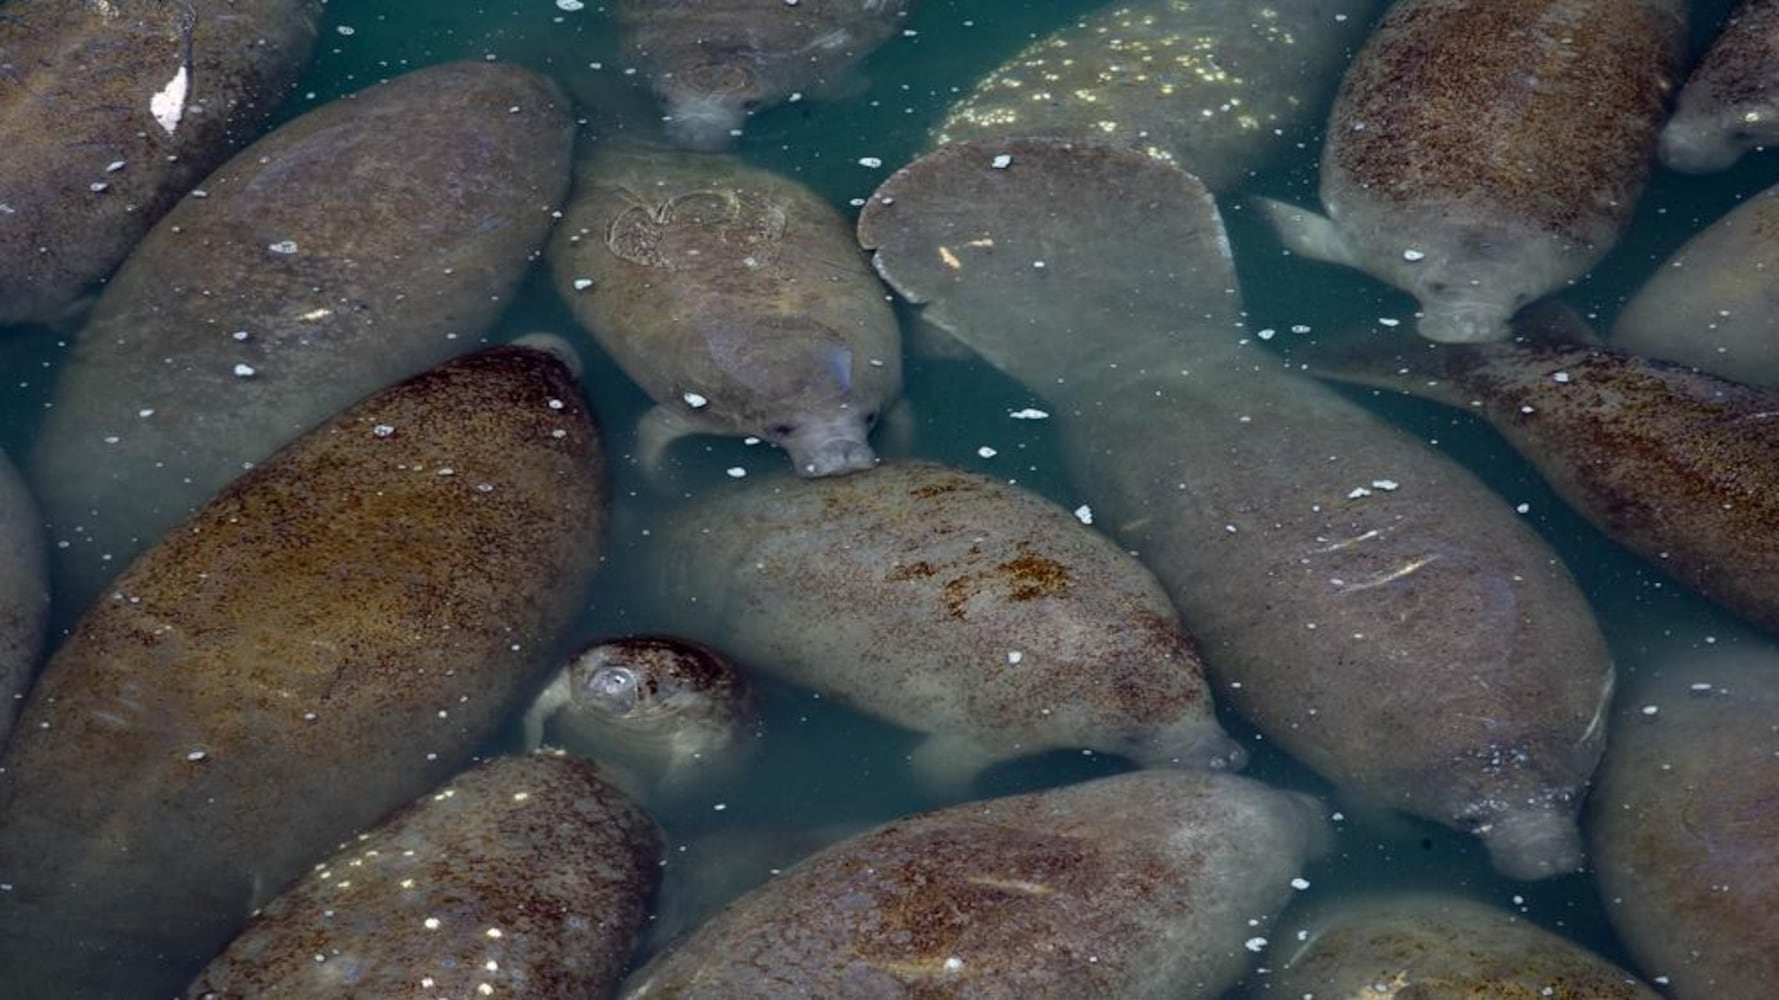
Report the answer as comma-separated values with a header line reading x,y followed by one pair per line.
x,y
834,457
1533,843
706,106
1469,323
1695,145
1201,748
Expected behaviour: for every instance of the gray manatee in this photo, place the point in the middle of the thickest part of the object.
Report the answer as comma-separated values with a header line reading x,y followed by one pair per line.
x,y
24,593
1730,103
1215,86
355,246
1682,822
1715,303
1368,604
1677,465
523,876
662,715
949,603
736,298
330,636
110,111
1434,947
713,63
1144,886
1483,153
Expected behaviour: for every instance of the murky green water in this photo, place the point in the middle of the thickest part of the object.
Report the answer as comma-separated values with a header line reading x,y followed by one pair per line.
x,y
825,765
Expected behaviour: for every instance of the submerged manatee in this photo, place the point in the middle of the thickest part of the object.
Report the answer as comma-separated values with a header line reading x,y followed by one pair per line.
x,y
1214,85
661,714
1367,603
1715,303
1730,104
1483,153
1682,822
714,62
948,603
1677,465
524,876
1433,947
329,637
736,298
351,248
24,593
1142,886
110,112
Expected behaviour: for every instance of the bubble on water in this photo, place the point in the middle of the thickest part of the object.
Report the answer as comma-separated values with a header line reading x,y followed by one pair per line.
x,y
1029,414
382,430
244,371
1255,944
1411,255
1001,162
695,401
870,161
570,5
1084,514
283,247
1562,377
735,472
986,452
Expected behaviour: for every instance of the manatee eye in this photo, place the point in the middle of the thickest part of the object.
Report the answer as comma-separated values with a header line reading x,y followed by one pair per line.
x,y
751,105
1438,287
871,419
781,430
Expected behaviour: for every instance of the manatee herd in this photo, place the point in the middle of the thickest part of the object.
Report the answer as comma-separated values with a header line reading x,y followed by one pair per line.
x,y
358,639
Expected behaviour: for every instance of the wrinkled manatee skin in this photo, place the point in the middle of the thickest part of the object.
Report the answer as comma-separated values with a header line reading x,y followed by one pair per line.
x,y
712,63
735,297
353,247
24,593
329,637
1140,886
949,603
1715,303
1682,820
537,872
1363,600
1216,86
1730,103
76,83
1483,154
1433,947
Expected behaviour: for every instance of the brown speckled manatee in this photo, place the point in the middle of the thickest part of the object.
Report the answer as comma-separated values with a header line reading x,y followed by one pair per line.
x,y
1431,947
1682,822
1216,86
524,876
351,248
24,593
1143,886
1484,153
1368,604
329,637
713,63
1677,465
736,297
113,110
949,603
1730,103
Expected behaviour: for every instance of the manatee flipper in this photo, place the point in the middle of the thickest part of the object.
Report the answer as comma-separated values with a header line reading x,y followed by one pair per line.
x,y
549,701
1307,234
554,344
947,764
895,435
931,342
655,432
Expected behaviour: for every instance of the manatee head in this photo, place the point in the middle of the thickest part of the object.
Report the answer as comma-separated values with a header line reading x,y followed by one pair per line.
x,y
707,102
826,444
1531,843
1703,139
1472,283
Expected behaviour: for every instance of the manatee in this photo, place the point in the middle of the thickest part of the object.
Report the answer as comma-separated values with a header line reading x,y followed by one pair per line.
x,y
1677,465
1730,103
110,112
712,63
1368,604
948,603
24,593
1436,947
1216,86
355,246
1142,886
1715,303
1483,153
1681,823
330,636
736,298
663,715
524,876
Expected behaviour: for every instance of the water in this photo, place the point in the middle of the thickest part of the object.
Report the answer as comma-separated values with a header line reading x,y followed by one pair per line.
x,y
823,764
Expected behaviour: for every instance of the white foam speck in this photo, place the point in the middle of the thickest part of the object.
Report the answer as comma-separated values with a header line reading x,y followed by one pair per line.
x,y
1084,514
1001,162
695,401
